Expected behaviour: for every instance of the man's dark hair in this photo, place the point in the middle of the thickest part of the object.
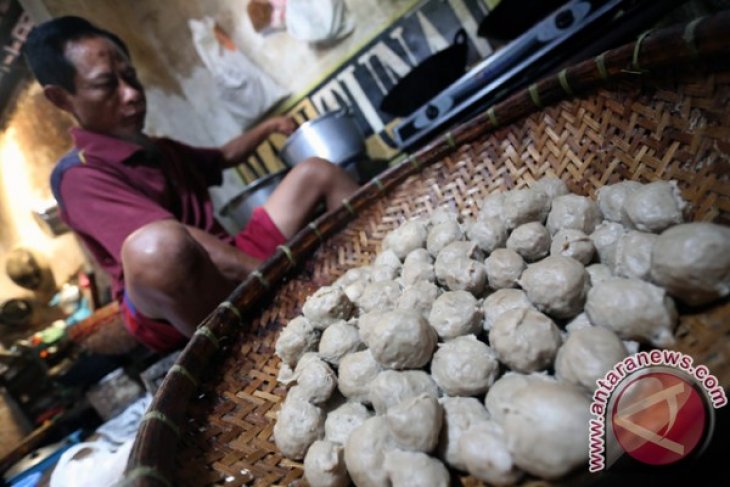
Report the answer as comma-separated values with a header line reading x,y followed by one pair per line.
x,y
44,49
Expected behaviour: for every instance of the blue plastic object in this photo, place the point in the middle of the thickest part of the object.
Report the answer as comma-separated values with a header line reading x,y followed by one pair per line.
x,y
31,476
30,480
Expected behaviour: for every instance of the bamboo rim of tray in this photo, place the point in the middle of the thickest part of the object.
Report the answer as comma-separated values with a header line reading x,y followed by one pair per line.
x,y
151,461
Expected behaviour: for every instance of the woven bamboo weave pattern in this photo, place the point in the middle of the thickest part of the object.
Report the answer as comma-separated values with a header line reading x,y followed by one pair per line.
x,y
642,129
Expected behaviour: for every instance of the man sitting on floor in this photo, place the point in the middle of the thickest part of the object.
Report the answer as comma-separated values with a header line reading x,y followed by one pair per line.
x,y
141,204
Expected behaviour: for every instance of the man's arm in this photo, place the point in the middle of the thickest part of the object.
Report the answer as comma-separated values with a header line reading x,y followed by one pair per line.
x,y
232,263
238,149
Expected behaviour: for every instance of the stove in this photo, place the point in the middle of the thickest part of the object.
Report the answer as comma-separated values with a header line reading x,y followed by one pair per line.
x,y
573,32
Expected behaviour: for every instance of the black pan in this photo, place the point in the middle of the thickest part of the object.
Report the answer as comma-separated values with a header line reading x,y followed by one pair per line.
x,y
427,79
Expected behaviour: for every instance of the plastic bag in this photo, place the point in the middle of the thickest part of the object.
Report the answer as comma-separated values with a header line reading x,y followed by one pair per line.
x,y
102,462
91,464
318,21
247,91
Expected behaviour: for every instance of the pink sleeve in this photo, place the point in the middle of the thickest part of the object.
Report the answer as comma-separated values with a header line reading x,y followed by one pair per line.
x,y
106,209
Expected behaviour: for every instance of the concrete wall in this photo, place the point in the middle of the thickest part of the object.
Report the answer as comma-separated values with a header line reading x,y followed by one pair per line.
x,y
33,138
182,98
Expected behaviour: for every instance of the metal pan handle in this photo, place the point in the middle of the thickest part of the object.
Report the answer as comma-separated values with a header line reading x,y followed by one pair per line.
x,y
345,111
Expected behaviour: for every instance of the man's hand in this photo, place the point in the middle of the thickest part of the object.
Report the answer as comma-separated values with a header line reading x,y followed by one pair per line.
x,y
241,147
231,262
283,125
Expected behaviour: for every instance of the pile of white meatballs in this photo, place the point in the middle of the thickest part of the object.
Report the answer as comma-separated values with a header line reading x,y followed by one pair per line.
x,y
477,344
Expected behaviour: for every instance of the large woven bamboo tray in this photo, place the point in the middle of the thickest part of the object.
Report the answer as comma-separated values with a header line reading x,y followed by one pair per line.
x,y
654,109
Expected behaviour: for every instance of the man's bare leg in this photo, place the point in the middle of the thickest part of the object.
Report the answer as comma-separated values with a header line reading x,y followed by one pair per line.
x,y
313,181
180,274
169,275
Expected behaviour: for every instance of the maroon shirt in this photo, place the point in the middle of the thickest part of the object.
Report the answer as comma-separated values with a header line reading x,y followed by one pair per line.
x,y
120,187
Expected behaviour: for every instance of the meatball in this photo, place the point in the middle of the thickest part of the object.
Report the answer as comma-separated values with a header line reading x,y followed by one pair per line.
x,y
402,340
611,199
504,268
416,423
488,233
587,355
464,366
692,261
391,387
573,211
573,243
324,465
410,236
634,309
525,339
556,285
455,313
524,206
655,206
327,305
530,240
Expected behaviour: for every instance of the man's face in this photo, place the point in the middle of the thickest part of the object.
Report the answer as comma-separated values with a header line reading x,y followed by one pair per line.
x,y
109,98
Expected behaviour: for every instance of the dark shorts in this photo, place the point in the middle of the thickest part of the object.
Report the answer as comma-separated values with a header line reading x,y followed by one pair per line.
x,y
258,239
158,335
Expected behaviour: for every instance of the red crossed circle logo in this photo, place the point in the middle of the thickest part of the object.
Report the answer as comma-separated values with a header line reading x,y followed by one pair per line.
x,y
659,418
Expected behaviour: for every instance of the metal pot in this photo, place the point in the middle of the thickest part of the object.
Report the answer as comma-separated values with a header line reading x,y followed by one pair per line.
x,y
334,136
16,312
240,208
48,217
